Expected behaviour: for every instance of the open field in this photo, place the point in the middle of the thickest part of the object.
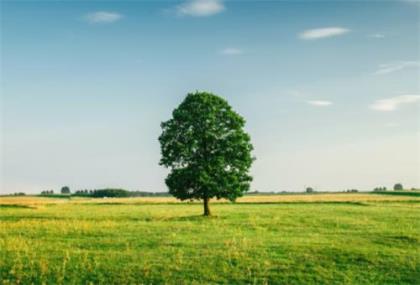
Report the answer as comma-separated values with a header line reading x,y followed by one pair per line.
x,y
280,239
279,198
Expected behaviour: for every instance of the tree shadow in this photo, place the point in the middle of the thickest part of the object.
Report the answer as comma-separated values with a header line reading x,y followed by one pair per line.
x,y
195,218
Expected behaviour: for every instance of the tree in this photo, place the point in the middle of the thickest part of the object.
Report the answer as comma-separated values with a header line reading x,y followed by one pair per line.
x,y
206,149
309,190
379,189
110,192
65,190
398,187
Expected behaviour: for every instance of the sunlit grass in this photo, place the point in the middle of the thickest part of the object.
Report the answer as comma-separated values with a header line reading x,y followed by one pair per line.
x,y
77,241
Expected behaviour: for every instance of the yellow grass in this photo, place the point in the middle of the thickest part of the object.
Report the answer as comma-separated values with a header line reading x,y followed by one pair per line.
x,y
288,198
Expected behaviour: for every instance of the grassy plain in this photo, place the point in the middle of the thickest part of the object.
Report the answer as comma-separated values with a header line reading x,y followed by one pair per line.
x,y
276,239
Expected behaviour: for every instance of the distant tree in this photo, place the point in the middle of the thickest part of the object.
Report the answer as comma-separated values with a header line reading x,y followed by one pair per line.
x,y
83,193
206,149
379,189
309,190
398,187
65,190
109,192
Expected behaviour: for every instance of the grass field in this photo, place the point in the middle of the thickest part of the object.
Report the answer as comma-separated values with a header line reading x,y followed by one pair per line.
x,y
280,239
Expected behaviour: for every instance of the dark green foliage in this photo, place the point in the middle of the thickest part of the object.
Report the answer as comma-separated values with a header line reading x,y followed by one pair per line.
x,y
82,193
206,149
65,190
47,192
99,193
309,190
148,194
110,193
398,187
379,189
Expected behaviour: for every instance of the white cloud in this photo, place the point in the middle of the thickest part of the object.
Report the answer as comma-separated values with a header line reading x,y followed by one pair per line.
x,y
104,17
200,8
323,33
319,103
376,36
391,104
231,51
396,66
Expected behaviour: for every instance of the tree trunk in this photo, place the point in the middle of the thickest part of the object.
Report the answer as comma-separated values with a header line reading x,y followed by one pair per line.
x,y
206,207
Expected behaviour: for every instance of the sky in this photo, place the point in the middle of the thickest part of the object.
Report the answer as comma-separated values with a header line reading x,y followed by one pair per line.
x,y
329,89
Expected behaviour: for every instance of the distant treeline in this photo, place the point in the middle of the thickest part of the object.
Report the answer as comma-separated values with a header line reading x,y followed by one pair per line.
x,y
17,194
111,192
117,192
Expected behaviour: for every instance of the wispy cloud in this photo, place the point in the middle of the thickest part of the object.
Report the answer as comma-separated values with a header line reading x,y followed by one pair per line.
x,y
320,33
391,104
376,36
396,66
319,103
231,51
200,8
103,17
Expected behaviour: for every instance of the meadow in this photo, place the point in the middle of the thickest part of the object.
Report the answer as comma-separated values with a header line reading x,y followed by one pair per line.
x,y
349,238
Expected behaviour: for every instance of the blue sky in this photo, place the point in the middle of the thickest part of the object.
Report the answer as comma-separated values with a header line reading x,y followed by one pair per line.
x,y
330,90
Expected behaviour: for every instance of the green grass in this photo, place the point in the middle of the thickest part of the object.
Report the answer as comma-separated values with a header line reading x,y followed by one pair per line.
x,y
293,243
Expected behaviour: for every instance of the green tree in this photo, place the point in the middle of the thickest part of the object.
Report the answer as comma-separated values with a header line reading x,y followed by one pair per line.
x,y
206,149
65,190
309,190
379,189
398,187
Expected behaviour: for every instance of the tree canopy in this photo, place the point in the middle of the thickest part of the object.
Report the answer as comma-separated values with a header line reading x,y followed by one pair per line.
x,y
65,190
206,149
398,186
309,190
